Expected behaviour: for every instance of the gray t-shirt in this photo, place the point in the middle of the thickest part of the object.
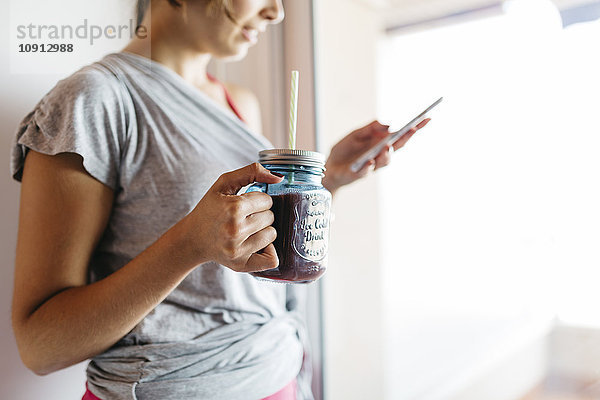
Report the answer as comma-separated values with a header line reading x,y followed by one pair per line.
x,y
160,144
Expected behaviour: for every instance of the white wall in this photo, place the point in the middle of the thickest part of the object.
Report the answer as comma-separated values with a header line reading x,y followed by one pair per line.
x,y
346,33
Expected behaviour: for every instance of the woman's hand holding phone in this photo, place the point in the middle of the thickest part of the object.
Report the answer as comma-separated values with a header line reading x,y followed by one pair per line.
x,y
368,148
347,151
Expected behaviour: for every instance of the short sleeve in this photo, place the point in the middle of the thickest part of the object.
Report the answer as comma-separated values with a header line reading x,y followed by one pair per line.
x,y
83,114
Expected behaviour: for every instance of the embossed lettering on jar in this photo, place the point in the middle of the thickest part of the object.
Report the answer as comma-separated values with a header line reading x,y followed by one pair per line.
x,y
301,206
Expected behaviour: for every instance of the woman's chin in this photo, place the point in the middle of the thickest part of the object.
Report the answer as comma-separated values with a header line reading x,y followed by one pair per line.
x,y
234,55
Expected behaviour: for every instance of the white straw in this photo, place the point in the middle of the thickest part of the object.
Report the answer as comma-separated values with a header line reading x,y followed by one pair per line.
x,y
293,109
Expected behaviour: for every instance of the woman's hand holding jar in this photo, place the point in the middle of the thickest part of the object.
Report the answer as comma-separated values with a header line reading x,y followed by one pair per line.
x,y
230,229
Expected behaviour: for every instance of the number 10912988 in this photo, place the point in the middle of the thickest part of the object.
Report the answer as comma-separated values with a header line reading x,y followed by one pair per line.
x,y
46,48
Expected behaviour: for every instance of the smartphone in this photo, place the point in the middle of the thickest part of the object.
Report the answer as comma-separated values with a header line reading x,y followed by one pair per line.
x,y
391,139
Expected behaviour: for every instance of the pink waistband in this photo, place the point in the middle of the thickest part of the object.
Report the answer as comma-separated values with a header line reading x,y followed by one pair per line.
x,y
88,395
287,393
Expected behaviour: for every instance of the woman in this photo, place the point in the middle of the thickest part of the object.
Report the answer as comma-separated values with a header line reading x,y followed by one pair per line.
x,y
133,244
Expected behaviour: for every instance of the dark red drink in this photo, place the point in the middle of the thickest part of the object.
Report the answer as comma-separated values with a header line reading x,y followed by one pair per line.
x,y
302,224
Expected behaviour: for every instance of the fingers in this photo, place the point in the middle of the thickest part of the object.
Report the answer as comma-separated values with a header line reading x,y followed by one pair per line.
x,y
257,222
364,171
376,130
423,123
384,157
245,216
261,249
266,259
402,141
231,182
405,138
253,202
259,240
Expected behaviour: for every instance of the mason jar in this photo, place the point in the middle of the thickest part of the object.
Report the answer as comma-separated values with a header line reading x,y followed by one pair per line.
x,y
301,206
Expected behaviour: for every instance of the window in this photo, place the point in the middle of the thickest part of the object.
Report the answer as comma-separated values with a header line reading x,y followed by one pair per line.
x,y
492,213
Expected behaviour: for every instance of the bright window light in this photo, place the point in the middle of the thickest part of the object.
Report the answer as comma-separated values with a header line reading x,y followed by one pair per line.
x,y
492,213
494,209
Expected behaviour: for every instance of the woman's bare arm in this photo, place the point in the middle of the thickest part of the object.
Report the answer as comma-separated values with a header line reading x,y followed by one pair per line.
x,y
58,319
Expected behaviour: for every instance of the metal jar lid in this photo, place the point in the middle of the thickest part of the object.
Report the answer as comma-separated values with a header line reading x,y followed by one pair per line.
x,y
294,157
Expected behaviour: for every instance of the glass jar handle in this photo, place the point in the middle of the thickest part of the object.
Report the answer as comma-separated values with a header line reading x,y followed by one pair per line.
x,y
257,187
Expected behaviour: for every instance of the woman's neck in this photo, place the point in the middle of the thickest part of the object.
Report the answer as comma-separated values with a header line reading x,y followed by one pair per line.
x,y
160,47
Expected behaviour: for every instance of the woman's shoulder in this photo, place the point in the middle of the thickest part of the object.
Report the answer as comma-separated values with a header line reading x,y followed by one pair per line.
x,y
90,95
93,82
83,114
247,104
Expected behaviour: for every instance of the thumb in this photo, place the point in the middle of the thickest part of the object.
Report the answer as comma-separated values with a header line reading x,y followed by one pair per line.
x,y
232,182
374,127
